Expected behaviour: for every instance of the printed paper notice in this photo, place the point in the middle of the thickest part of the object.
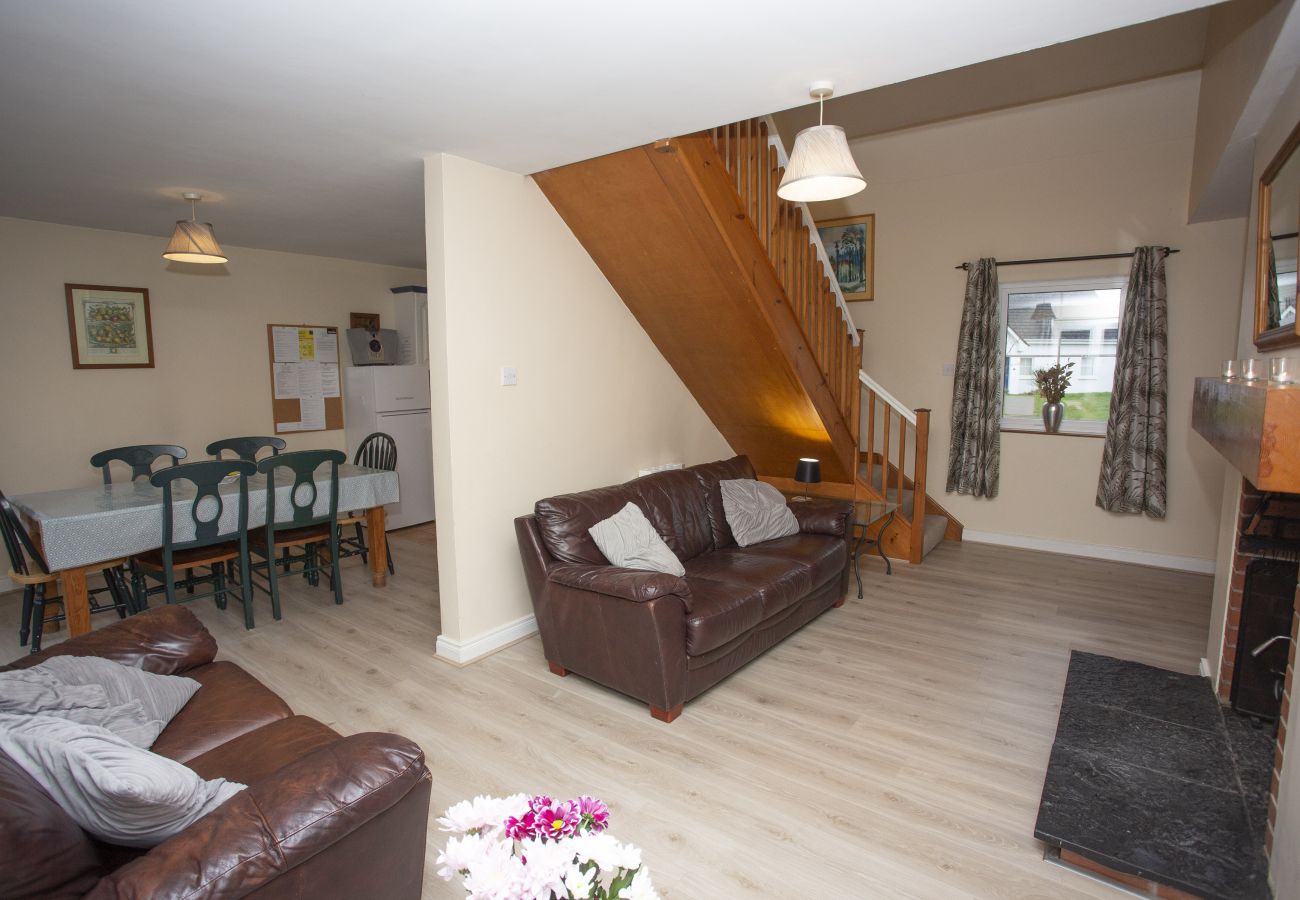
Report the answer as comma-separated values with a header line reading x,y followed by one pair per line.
x,y
327,346
306,344
288,426
329,379
309,380
286,381
312,411
284,342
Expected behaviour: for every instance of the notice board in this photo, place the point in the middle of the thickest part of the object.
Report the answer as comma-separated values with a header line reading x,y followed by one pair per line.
x,y
306,385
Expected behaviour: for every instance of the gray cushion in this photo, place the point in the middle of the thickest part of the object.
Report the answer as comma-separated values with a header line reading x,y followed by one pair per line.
x,y
131,703
756,511
629,540
115,791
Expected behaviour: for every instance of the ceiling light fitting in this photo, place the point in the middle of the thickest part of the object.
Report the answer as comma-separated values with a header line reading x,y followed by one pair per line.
x,y
821,164
194,241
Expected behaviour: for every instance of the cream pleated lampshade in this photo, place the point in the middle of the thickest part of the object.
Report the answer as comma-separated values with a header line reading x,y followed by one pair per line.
x,y
821,167
194,242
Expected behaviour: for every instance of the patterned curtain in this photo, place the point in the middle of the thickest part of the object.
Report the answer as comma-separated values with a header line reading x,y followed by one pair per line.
x,y
974,453
1133,463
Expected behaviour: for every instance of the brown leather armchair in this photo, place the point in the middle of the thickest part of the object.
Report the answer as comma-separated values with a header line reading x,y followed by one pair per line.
x,y
323,815
661,638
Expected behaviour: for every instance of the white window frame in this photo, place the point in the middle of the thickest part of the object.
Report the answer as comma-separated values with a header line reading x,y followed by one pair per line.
x,y
1005,290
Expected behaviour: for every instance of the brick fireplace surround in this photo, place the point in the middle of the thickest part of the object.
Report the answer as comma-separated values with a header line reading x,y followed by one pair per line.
x,y
1250,501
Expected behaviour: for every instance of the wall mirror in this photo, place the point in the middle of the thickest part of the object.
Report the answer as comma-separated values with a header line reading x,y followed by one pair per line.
x,y
1279,220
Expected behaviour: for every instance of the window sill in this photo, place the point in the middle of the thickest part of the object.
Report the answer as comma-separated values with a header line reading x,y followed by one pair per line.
x,y
1017,428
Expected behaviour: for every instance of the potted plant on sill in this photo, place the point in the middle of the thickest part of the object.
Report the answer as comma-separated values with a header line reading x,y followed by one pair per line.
x,y
1053,382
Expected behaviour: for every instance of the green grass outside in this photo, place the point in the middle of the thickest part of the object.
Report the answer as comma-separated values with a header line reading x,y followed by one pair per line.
x,y
1080,407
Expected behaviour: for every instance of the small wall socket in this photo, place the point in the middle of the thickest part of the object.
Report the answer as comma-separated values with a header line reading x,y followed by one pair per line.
x,y
509,376
949,369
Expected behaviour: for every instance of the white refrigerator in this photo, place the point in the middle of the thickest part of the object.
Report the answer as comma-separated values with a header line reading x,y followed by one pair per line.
x,y
395,400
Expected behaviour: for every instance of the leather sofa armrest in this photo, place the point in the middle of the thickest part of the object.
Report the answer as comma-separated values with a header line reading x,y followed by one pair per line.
x,y
821,515
630,584
278,823
167,640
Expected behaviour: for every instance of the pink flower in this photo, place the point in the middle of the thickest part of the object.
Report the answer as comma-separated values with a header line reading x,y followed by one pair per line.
x,y
594,813
557,821
522,829
539,803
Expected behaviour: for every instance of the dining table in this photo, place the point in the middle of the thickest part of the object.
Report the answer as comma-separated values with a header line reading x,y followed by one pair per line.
x,y
79,530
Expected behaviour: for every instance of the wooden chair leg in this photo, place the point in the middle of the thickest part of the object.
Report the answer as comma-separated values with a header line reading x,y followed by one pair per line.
x,y
361,543
245,589
391,570
557,669
335,578
665,715
219,585
25,626
275,585
38,617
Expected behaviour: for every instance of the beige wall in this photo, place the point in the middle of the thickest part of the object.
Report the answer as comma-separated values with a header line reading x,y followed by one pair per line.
x,y
1095,173
211,377
509,285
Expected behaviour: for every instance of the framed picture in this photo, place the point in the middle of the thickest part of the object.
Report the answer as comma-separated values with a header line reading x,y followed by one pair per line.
x,y
851,246
109,327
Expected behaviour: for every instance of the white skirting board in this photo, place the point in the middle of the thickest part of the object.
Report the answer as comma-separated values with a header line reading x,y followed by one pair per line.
x,y
464,652
1095,551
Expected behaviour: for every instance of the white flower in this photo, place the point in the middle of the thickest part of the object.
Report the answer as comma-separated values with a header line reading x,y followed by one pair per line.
x,y
482,813
496,875
578,882
462,853
629,857
547,864
600,848
641,888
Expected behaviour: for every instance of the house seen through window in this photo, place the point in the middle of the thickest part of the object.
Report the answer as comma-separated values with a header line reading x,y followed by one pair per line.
x,y
1066,322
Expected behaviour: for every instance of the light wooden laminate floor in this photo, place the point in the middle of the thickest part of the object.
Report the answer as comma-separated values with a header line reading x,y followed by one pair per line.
x,y
894,748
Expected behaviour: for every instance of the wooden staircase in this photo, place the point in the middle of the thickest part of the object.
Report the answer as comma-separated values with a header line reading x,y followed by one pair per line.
x,y
734,287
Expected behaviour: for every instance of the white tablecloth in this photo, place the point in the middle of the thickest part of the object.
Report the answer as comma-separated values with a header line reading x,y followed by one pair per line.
x,y
83,526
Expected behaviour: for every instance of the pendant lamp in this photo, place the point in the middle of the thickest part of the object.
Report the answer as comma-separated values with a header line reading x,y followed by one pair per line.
x,y
821,164
193,241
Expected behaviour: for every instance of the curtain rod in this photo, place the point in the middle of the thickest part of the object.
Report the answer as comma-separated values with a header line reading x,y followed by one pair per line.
x,y
1057,259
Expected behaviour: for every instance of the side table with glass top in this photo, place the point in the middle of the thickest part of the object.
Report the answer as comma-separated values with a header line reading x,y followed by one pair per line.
x,y
866,515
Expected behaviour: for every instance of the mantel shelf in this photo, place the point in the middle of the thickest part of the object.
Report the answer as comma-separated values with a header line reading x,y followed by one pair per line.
x,y
1255,426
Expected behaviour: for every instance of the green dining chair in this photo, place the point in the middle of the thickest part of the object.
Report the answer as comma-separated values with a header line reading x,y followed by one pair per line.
x,y
214,539
292,520
245,448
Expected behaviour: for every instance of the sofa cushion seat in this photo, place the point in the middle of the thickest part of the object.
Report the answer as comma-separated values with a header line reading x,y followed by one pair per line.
x,y
230,702
720,613
826,557
260,753
779,581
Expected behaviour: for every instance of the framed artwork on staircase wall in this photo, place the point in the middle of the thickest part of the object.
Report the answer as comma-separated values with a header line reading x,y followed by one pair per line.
x,y
851,246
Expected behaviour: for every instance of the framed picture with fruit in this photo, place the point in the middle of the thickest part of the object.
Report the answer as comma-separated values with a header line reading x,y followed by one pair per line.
x,y
109,327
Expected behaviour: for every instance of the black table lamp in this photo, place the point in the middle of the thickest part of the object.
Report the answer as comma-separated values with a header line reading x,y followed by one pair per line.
x,y
809,471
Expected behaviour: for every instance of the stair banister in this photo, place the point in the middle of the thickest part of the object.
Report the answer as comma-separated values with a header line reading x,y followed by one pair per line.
x,y
889,398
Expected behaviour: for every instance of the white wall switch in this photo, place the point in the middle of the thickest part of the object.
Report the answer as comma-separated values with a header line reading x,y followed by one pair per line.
x,y
509,376
949,369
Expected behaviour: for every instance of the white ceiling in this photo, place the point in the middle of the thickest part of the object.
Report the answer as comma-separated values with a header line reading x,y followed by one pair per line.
x,y
307,120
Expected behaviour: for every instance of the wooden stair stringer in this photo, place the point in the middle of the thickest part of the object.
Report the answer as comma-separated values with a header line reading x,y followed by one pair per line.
x,y
667,231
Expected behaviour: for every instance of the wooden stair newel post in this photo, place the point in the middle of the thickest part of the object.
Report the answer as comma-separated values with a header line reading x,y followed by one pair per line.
x,y
919,496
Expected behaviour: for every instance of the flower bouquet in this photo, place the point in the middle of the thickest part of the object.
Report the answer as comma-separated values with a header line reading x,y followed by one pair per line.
x,y
533,848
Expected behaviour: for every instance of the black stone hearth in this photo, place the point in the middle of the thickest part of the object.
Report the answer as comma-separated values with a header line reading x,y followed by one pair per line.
x,y
1147,777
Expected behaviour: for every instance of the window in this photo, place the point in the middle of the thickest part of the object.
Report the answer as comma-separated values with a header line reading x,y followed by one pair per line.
x,y
1067,322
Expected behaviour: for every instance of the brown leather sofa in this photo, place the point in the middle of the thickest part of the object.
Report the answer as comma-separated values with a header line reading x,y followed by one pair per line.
x,y
323,815
665,639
